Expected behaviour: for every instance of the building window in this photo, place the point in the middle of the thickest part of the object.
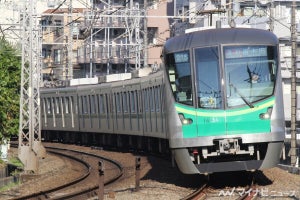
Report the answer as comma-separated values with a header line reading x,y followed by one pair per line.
x,y
152,35
57,56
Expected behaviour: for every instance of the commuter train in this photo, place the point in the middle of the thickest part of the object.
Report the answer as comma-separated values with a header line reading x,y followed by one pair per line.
x,y
215,105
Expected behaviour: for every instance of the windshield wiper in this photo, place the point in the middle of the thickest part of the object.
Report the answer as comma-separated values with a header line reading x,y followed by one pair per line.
x,y
242,96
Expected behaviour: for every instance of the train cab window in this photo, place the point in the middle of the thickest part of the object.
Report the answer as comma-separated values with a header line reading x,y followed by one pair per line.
x,y
250,72
208,78
179,71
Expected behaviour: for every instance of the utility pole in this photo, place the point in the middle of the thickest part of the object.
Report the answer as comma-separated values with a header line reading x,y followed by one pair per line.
x,y
293,86
271,21
92,17
69,74
145,35
231,21
30,147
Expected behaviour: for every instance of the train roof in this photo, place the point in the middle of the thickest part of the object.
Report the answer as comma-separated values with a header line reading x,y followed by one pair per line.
x,y
212,37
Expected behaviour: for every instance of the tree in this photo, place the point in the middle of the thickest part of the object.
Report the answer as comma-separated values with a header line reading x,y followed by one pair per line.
x,y
10,79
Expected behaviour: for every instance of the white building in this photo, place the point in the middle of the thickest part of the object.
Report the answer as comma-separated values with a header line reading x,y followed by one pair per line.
x,y
11,9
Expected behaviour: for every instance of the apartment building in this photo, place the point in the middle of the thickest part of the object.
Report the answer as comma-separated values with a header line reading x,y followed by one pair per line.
x,y
60,40
106,38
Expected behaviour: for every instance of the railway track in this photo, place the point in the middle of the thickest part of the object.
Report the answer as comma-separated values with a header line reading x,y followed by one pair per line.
x,y
198,194
86,185
208,190
219,186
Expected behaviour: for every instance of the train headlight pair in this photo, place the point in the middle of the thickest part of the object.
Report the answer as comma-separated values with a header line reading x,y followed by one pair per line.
x,y
266,115
185,121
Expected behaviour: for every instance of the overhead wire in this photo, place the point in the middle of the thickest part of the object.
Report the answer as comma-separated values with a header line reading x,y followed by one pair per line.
x,y
162,40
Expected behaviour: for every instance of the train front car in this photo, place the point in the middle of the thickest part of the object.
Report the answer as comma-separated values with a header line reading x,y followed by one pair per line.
x,y
225,107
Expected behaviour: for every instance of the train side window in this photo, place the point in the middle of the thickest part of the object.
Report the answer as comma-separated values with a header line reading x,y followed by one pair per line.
x,y
152,99
92,104
140,101
146,100
107,104
101,104
57,105
44,110
81,103
132,102
43,106
157,98
53,106
49,106
118,104
84,105
67,105
61,104
136,100
125,102
71,106
114,107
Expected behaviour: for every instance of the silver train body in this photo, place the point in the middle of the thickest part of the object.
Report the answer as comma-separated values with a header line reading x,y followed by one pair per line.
x,y
142,112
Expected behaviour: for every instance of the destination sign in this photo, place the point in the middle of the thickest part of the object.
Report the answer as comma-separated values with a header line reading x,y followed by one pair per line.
x,y
245,51
181,57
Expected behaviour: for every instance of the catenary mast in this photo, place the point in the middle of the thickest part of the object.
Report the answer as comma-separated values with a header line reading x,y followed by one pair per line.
x,y
30,147
293,87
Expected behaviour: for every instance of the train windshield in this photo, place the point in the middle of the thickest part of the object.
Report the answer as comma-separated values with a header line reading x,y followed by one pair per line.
x,y
179,70
249,73
207,78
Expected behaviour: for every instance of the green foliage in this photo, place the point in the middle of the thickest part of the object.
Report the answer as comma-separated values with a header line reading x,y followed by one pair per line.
x,y
10,79
7,187
16,162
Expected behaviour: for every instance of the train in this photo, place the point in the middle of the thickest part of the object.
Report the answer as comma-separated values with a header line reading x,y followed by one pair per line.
x,y
214,105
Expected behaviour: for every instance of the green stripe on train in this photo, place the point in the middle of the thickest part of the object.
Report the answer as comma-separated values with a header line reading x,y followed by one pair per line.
x,y
243,120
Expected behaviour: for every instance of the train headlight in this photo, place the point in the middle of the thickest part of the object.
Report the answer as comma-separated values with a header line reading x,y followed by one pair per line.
x,y
266,115
185,121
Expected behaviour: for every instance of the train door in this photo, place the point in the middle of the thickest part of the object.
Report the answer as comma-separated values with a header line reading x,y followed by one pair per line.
x,y
133,102
147,111
144,104
118,122
83,112
126,110
104,102
150,107
210,112
159,91
131,109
